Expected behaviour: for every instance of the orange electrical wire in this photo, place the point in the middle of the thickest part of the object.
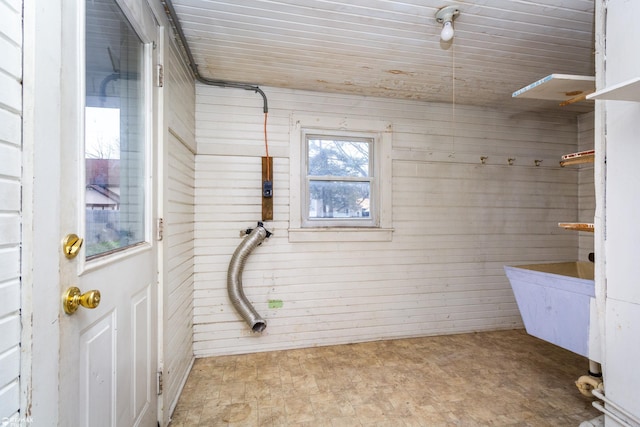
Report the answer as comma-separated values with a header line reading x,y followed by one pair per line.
x,y
266,147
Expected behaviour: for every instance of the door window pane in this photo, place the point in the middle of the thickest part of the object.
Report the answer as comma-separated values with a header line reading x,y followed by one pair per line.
x,y
115,189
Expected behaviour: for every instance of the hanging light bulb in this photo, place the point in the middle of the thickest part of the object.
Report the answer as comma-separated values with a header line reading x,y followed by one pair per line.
x,y
447,31
445,16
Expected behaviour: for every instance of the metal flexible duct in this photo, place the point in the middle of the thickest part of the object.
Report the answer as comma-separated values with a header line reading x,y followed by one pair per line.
x,y
234,278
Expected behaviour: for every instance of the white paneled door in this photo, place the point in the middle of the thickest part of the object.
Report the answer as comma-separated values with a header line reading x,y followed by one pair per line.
x,y
108,354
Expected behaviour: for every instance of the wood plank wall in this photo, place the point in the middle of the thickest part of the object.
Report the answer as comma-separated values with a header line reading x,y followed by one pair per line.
x,y
10,204
179,202
457,222
586,185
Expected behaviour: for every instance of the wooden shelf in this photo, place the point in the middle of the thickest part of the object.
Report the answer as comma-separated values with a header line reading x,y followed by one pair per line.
x,y
578,226
586,156
626,91
558,87
578,158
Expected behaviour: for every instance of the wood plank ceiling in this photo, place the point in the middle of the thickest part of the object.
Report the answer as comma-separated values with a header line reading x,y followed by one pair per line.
x,y
392,48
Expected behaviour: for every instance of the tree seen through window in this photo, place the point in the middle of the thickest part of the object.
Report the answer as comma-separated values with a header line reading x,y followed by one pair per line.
x,y
339,178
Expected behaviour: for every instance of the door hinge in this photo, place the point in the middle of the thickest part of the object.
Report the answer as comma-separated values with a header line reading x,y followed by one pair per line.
x,y
159,385
159,75
160,231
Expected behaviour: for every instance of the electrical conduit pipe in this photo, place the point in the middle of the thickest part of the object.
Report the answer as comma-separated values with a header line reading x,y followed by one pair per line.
x,y
234,278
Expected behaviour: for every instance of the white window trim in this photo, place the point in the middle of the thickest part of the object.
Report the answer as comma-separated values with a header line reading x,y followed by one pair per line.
x,y
299,125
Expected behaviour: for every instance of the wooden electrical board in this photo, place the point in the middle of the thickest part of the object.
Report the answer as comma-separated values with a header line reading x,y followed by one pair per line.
x,y
267,175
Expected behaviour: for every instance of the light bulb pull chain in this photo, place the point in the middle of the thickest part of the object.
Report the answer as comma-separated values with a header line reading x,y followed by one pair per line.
x,y
453,95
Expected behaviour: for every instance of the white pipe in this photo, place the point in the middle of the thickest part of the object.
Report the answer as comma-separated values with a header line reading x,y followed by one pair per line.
x,y
600,395
608,413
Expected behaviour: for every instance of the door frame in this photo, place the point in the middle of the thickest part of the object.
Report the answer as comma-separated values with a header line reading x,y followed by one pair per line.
x,y
41,134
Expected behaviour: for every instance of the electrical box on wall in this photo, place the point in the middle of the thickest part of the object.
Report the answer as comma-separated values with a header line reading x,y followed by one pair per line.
x,y
267,188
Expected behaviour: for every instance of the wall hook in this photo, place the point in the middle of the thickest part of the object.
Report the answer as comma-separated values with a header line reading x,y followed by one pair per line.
x,y
510,160
537,162
483,159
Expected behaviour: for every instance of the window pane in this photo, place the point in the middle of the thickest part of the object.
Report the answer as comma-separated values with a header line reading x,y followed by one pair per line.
x,y
329,157
339,199
114,131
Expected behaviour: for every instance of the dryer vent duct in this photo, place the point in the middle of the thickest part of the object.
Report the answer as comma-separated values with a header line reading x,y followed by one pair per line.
x,y
234,278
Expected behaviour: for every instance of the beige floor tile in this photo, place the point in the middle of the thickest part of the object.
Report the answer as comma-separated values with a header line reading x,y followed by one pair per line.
x,y
504,378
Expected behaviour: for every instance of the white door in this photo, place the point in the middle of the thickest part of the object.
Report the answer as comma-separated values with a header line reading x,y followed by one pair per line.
x,y
108,354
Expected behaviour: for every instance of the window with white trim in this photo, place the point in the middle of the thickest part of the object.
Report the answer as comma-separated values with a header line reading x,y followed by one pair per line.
x,y
340,179
340,186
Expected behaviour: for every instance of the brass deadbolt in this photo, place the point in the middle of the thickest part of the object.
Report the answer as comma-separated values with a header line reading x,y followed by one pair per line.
x,y
73,298
71,245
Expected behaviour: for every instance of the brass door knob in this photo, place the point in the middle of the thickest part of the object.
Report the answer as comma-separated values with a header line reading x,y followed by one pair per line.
x,y
73,298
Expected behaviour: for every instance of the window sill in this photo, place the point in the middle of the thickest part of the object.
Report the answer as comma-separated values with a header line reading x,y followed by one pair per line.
x,y
299,235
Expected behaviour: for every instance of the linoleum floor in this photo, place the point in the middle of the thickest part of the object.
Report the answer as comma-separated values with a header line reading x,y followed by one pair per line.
x,y
503,378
